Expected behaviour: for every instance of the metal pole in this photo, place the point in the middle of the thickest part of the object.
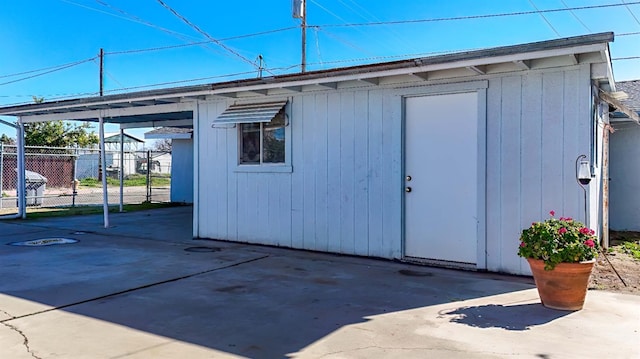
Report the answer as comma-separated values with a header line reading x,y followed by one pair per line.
x,y
605,186
75,180
584,189
303,64
121,176
103,161
22,194
20,164
101,72
148,176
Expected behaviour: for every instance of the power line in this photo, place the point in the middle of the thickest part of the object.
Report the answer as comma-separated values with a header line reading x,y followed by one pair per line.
x,y
50,71
626,58
631,12
139,20
629,33
108,73
133,18
195,27
576,16
368,16
159,48
127,16
486,16
544,18
343,41
39,70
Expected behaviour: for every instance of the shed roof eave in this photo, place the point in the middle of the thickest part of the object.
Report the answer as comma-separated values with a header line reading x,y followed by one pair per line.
x,y
129,102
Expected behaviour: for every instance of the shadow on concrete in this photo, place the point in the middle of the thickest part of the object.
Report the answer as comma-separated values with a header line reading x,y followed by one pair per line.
x,y
251,301
512,317
279,305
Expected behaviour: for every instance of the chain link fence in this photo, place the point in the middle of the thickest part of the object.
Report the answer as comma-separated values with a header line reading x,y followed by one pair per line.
x,y
59,177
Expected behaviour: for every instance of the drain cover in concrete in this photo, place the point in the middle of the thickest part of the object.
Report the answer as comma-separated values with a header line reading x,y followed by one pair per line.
x,y
202,249
44,242
413,273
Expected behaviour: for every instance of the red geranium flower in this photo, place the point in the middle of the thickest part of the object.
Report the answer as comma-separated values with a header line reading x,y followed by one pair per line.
x,y
562,230
552,213
522,244
590,243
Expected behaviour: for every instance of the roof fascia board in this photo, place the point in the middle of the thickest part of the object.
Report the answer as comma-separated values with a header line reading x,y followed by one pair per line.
x,y
67,116
419,69
169,136
157,123
607,56
111,112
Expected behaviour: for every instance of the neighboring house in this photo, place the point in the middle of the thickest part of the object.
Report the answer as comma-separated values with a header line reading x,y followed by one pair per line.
x,y
181,160
88,162
441,159
624,204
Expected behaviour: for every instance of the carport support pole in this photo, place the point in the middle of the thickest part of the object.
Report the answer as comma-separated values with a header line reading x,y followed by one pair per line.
x,y
22,193
20,186
121,168
103,160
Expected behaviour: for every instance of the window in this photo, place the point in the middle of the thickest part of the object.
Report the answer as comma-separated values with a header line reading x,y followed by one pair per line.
x,y
263,142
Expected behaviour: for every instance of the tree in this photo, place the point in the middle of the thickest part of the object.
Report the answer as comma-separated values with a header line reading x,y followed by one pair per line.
x,y
7,140
163,145
59,134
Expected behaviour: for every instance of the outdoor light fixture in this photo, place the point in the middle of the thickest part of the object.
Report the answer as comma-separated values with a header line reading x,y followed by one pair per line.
x,y
583,177
584,172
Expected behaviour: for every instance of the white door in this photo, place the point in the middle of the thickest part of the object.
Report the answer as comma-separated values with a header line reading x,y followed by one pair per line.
x,y
441,184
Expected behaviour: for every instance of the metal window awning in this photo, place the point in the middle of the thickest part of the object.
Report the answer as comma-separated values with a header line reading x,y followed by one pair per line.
x,y
249,113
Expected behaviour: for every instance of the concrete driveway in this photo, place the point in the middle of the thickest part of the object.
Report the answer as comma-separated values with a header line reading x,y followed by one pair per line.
x,y
141,290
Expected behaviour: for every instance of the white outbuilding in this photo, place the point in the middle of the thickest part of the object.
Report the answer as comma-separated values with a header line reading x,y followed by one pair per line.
x,y
440,160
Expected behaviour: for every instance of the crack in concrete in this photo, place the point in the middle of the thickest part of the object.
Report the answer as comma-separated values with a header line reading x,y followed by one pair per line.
x,y
25,340
136,288
8,314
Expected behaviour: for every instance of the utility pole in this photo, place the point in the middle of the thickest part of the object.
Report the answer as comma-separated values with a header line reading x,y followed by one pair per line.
x,y
300,12
101,71
260,65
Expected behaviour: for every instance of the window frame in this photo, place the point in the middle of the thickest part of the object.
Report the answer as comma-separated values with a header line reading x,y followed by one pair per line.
x,y
261,166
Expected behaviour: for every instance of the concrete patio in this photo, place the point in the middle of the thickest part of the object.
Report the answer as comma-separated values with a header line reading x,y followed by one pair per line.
x,y
141,290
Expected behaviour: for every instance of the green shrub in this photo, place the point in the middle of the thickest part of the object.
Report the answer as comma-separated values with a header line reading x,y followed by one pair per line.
x,y
558,241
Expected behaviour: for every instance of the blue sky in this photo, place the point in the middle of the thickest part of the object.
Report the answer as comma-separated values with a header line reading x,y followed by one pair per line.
x,y
41,34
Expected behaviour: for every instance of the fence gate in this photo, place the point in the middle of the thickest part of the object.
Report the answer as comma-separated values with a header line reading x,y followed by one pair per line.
x,y
158,170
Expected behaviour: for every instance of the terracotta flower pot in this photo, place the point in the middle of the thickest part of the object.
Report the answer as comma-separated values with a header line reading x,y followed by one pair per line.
x,y
565,286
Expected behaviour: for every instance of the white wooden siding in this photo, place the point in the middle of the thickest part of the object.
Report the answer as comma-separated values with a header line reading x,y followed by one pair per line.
x,y
345,192
624,173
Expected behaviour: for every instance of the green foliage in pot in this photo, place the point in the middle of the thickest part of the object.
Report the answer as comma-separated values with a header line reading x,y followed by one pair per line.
x,y
558,240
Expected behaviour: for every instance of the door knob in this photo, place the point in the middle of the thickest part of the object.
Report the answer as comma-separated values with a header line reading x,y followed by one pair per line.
x,y
407,189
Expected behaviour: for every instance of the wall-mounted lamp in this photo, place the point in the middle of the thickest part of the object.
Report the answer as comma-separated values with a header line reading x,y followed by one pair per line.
x,y
583,177
584,172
